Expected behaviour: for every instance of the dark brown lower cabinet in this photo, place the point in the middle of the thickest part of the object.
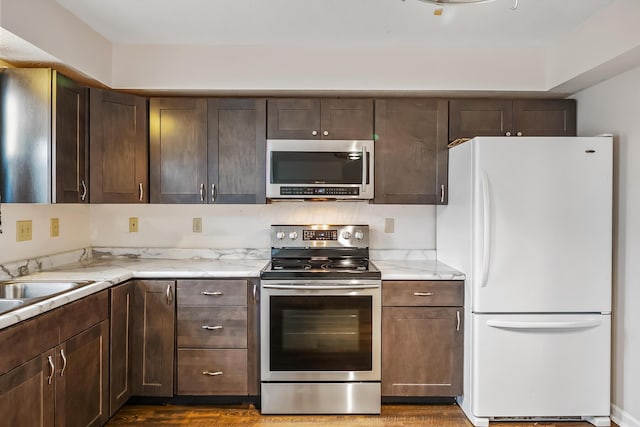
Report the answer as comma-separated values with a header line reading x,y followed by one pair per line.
x,y
121,345
65,386
154,337
27,393
217,337
422,344
82,379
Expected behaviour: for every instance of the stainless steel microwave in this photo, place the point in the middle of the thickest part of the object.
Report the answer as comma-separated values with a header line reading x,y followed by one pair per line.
x,y
319,169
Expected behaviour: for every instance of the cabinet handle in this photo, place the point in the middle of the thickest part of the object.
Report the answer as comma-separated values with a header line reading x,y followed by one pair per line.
x,y
213,294
83,195
213,192
314,132
169,294
140,191
508,134
64,362
442,193
255,293
212,374
519,133
457,320
212,328
325,133
423,294
202,193
52,369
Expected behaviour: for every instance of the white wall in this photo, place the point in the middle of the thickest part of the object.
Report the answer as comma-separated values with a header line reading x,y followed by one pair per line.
x,y
247,226
614,106
74,230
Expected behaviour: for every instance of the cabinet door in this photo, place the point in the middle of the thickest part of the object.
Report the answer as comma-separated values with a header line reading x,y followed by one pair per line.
x,y
70,143
346,119
480,117
119,148
422,351
178,150
121,345
237,147
411,151
82,378
154,338
544,117
293,118
253,338
27,393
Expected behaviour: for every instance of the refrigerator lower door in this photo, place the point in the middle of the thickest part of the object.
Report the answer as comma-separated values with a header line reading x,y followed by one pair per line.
x,y
541,365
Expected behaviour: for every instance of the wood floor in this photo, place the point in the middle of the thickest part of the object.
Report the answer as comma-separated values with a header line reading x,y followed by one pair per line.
x,y
227,416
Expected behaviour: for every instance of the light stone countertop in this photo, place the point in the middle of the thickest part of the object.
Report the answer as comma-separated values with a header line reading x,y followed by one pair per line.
x,y
113,268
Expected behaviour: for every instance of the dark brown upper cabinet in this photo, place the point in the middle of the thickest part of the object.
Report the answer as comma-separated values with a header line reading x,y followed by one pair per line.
x,y
411,151
320,118
505,117
207,151
237,149
119,147
71,142
178,150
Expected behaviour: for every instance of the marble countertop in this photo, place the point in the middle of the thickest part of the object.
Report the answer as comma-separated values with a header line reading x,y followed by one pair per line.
x,y
109,271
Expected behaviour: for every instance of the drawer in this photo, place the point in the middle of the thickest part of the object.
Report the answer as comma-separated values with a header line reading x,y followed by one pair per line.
x,y
212,372
226,327
422,293
211,293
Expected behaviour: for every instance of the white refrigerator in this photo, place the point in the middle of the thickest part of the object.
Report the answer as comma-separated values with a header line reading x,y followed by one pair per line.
x,y
529,221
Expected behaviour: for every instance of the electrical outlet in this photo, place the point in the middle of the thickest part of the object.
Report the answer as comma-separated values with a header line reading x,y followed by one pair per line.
x,y
197,225
389,225
24,230
54,227
133,224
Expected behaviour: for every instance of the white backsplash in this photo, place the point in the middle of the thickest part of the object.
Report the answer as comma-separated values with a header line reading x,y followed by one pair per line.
x,y
74,230
247,226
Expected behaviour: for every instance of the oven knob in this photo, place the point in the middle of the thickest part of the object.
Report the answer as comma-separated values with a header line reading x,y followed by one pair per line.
x,y
293,235
346,235
280,235
359,235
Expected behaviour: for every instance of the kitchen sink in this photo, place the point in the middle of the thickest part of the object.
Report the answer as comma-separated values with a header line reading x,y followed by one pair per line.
x,y
15,294
9,304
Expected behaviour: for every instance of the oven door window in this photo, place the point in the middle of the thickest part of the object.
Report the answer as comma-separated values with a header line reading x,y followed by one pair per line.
x,y
310,167
328,333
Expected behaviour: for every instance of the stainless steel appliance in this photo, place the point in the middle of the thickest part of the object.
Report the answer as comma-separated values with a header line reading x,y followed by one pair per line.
x,y
322,169
320,313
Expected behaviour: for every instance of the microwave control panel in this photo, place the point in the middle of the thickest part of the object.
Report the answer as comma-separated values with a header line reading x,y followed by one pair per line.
x,y
319,191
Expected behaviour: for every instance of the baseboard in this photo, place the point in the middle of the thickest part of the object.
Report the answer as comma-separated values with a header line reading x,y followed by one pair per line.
x,y
623,418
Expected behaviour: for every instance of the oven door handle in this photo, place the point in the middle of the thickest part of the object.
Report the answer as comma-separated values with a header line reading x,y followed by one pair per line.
x,y
321,287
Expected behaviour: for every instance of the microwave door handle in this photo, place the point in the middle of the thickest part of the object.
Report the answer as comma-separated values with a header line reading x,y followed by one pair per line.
x,y
364,169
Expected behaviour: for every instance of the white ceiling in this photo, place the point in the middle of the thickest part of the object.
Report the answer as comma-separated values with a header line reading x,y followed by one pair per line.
x,y
329,23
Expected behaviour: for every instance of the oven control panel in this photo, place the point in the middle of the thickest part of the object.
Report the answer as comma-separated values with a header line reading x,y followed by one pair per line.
x,y
319,235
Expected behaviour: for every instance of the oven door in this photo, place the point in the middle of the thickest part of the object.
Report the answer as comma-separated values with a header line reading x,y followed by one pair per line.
x,y
334,169
321,330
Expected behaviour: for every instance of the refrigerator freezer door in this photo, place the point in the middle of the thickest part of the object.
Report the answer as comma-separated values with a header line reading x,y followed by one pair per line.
x,y
542,212
541,365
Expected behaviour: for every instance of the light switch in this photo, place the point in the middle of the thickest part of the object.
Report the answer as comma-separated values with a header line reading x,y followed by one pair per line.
x,y
197,225
54,227
133,224
389,225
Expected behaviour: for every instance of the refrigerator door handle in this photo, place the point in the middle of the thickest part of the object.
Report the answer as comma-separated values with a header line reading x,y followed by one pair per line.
x,y
486,229
508,324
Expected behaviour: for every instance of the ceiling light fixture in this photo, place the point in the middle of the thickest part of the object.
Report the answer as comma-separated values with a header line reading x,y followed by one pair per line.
x,y
463,2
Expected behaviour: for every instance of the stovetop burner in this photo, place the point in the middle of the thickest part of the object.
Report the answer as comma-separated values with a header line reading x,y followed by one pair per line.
x,y
286,264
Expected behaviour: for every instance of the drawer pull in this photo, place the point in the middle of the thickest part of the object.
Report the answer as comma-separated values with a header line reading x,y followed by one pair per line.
x,y
423,294
210,293
211,328
212,374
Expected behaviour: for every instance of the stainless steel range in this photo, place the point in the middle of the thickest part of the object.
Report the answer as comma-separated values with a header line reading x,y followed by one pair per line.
x,y
320,322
